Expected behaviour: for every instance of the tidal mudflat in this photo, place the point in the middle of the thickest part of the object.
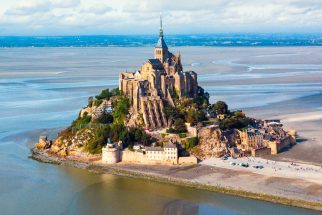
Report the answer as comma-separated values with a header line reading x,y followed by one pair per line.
x,y
42,89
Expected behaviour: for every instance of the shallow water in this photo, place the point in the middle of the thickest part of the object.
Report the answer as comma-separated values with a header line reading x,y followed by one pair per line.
x,y
42,90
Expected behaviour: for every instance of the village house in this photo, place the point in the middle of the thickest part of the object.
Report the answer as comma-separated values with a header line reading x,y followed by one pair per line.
x,y
268,137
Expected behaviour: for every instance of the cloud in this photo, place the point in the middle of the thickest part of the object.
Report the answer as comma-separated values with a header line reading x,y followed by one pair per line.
x,y
180,16
98,9
29,7
64,3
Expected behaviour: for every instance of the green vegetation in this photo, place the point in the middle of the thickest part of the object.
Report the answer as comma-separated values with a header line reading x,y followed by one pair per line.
x,y
105,94
106,118
236,120
112,125
191,142
90,101
182,135
98,102
121,109
179,126
187,109
202,99
80,122
108,125
220,107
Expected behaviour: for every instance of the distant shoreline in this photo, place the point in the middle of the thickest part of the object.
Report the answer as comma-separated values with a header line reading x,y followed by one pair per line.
x,y
211,40
161,174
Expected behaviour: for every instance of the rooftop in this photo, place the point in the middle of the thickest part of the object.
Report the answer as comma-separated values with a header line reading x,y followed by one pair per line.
x,y
153,149
170,145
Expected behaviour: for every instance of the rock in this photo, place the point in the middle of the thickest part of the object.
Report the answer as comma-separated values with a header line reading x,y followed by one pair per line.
x,y
213,142
62,153
54,149
40,145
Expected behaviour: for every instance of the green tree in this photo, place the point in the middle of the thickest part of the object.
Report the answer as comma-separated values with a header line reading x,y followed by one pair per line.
x,y
121,109
191,142
220,107
105,118
179,126
90,101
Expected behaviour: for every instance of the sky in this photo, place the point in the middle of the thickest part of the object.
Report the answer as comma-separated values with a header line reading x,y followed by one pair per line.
x,y
96,17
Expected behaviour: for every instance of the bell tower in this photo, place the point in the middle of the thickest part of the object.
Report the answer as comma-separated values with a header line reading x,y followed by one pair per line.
x,y
161,48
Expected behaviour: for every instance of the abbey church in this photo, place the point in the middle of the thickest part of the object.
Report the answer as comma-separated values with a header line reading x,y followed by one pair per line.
x,y
151,88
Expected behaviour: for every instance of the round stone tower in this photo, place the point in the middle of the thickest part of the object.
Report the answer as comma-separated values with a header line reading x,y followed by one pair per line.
x,y
111,154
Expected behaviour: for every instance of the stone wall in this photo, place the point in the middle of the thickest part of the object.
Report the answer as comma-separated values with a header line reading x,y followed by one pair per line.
x,y
187,160
153,112
261,152
111,155
140,158
133,157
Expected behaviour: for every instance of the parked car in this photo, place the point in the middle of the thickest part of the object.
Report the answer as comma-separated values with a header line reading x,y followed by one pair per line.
x,y
244,165
258,167
233,163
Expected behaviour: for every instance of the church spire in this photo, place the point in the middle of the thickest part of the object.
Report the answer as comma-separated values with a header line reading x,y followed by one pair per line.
x,y
161,43
161,29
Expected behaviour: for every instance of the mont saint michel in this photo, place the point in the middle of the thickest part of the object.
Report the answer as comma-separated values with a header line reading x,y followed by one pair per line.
x,y
160,119
160,107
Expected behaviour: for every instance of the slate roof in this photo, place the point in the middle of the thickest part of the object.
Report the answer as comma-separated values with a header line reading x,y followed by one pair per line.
x,y
170,145
161,43
156,64
153,149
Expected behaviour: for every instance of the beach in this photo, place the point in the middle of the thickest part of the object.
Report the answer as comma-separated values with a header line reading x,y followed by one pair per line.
x,y
279,182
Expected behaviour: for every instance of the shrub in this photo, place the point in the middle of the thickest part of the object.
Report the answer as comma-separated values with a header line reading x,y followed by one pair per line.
x,y
98,102
179,126
107,94
81,121
220,107
171,130
94,146
121,109
90,101
191,142
182,135
237,122
105,118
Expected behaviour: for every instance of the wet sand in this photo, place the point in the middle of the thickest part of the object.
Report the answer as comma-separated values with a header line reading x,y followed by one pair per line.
x,y
302,115
295,192
44,88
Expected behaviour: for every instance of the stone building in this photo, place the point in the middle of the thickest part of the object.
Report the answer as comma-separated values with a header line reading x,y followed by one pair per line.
x,y
153,85
111,153
251,138
269,139
167,154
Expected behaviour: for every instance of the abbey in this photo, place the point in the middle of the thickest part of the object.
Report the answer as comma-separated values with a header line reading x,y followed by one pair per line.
x,y
156,82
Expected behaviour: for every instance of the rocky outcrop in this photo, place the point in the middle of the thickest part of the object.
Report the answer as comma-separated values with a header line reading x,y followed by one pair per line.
x,y
213,142
43,143
72,144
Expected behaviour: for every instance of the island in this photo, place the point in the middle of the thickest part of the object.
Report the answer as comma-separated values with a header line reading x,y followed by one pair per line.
x,y
159,124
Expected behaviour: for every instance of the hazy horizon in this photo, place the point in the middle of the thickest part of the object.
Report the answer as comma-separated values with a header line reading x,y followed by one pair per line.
x,y
213,40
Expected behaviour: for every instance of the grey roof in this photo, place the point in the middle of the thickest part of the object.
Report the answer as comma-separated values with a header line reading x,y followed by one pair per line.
x,y
153,149
161,43
156,64
170,145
